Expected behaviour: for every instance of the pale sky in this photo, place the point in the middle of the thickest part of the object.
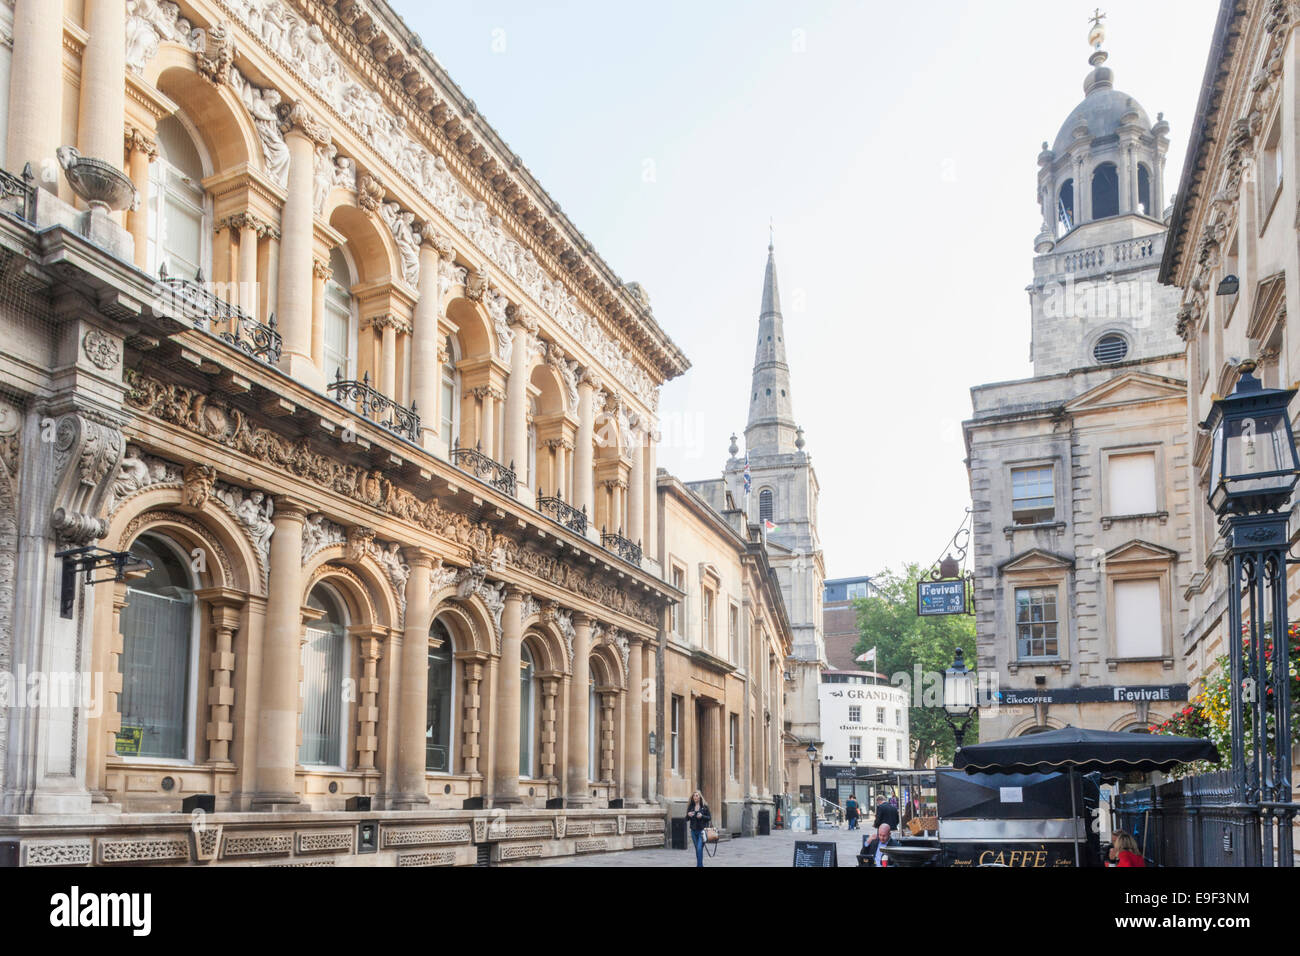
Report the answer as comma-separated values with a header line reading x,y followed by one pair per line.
x,y
893,146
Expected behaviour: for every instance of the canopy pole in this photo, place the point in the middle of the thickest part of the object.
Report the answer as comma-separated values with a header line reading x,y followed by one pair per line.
x,y
1074,818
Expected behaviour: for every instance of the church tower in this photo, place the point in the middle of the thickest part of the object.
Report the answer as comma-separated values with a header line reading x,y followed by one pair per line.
x,y
782,499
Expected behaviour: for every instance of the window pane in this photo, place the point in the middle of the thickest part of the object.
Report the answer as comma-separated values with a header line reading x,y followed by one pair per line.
x,y
182,237
1132,484
322,711
1138,622
437,734
155,666
1032,494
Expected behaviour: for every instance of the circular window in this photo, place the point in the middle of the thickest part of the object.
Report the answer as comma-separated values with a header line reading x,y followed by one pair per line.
x,y
1110,349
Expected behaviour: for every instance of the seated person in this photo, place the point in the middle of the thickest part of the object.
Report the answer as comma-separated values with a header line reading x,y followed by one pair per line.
x,y
873,845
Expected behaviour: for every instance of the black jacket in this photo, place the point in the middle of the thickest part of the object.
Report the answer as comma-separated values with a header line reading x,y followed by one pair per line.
x,y
886,813
868,855
702,819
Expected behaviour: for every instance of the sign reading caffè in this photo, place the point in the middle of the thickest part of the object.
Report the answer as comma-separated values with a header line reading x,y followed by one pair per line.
x,y
1120,693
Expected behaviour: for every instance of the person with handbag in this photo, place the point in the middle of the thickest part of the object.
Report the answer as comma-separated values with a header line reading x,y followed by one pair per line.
x,y
700,819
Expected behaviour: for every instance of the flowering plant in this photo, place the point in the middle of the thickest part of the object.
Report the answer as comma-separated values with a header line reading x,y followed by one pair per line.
x,y
1209,714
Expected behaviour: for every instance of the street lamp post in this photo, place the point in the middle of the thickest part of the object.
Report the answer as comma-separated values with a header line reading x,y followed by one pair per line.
x,y
812,766
1253,472
958,697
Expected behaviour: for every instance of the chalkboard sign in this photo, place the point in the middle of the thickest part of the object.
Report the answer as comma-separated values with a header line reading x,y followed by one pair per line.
x,y
809,853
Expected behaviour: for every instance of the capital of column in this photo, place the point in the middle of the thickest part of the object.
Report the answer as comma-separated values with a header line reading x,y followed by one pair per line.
x,y
138,141
321,269
300,119
590,379
418,557
582,619
286,507
435,240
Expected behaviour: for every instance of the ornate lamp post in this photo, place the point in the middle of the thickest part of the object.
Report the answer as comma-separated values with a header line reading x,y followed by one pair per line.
x,y
1252,474
812,766
958,696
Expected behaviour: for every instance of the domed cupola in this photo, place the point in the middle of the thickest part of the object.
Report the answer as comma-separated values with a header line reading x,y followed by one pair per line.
x,y
1107,159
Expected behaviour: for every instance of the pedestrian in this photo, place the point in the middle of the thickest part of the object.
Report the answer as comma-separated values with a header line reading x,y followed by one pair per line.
x,y
851,811
885,813
699,818
871,854
1124,851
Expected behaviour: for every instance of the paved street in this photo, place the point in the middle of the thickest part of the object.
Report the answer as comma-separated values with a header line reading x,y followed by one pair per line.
x,y
774,850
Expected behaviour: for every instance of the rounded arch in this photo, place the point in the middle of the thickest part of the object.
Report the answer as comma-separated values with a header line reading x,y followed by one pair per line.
x,y
474,336
229,557
1144,191
1065,212
222,122
370,595
370,248
551,395
469,623
1105,190
607,666
547,646
1030,726
1130,722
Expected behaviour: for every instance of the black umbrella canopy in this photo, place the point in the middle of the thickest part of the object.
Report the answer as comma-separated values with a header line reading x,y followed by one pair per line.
x,y
1084,751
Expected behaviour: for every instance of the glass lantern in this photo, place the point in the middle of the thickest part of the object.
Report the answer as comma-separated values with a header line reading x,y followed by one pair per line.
x,y
958,687
1253,455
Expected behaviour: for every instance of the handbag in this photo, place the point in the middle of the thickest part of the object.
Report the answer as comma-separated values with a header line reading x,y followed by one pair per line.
x,y
710,838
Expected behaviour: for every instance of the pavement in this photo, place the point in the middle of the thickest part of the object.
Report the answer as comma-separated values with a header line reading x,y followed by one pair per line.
x,y
774,850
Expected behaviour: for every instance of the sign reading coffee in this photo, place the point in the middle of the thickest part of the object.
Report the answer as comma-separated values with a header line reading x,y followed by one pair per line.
x,y
1094,695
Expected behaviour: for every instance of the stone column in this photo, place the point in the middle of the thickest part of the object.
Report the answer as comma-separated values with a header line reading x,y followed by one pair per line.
x,y
710,764
549,687
320,271
636,490
297,240
583,479
36,90
277,721
576,791
650,500
505,787
141,150
225,608
487,422
607,700
636,743
372,649
271,301
103,93
471,704
426,364
524,328
1126,171
388,355
413,695
248,266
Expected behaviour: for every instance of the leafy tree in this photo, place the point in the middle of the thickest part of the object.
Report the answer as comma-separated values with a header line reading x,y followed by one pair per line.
x,y
914,652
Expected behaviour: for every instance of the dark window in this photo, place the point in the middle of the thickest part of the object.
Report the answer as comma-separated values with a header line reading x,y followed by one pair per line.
x,y
1144,192
765,505
1065,205
1105,191
1110,349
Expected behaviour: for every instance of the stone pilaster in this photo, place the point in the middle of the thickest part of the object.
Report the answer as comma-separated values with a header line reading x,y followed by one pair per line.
x,y
576,791
471,707
412,791
226,608
371,645
505,787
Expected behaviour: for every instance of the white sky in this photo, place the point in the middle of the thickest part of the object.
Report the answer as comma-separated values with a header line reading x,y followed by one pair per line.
x,y
893,145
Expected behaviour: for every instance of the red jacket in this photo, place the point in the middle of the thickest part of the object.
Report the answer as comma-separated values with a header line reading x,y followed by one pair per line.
x,y
1130,859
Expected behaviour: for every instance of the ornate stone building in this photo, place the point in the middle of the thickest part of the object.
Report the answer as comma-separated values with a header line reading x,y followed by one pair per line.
x,y
378,417
1081,514
1236,214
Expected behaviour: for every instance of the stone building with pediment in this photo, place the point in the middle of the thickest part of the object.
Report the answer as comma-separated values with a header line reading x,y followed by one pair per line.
x,y
1081,525
378,418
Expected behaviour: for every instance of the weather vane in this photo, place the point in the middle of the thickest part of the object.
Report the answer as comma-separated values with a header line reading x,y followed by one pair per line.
x,y
1098,31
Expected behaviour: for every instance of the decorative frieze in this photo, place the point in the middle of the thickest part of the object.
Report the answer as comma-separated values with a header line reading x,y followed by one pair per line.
x,y
639,842
589,846
325,841
427,836
257,844
57,853
519,851
163,850
427,858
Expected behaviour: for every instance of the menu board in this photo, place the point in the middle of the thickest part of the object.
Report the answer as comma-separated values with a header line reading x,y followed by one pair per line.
x,y
811,853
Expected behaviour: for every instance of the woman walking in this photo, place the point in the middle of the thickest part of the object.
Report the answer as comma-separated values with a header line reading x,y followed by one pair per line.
x,y
699,818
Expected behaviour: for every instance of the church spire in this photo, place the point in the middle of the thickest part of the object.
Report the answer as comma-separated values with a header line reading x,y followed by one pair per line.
x,y
771,428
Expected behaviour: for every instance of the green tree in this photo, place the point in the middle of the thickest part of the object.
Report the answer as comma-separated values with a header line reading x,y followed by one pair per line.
x,y
907,644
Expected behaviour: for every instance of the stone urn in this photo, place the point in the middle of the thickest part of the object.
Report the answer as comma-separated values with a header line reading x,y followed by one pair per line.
x,y
103,187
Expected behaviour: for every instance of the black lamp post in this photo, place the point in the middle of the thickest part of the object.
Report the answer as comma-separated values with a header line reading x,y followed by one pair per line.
x,y
958,696
812,766
1253,472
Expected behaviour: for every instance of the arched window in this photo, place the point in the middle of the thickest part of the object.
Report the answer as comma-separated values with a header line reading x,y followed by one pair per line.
x,y
324,669
340,320
1105,191
1144,192
1065,206
441,702
159,634
526,705
179,234
765,505
449,400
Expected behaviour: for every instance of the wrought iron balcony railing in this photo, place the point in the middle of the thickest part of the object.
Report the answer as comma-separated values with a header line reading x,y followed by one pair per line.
x,y
18,194
485,469
563,513
217,317
376,406
621,546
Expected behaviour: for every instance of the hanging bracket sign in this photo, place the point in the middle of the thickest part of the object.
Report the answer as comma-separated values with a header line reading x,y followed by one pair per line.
x,y
941,597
